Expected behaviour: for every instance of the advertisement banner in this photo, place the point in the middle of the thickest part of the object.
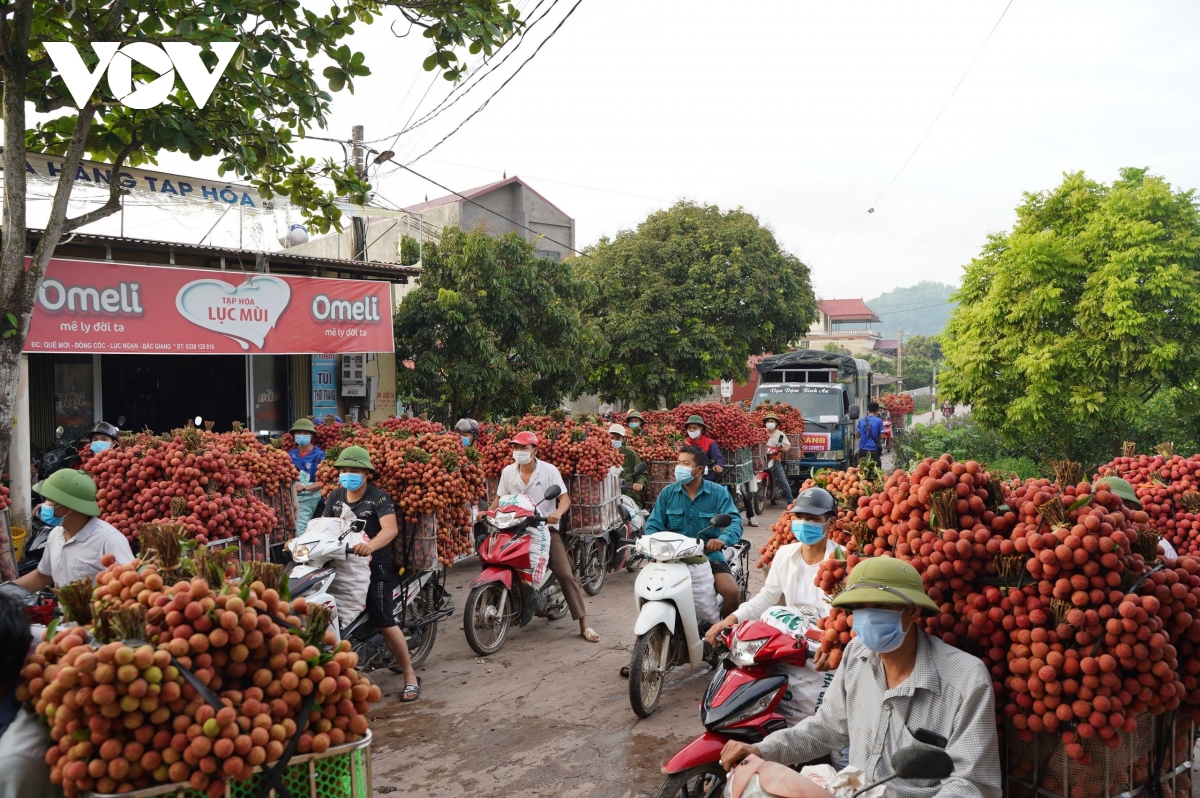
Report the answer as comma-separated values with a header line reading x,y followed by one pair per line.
x,y
114,308
324,385
814,441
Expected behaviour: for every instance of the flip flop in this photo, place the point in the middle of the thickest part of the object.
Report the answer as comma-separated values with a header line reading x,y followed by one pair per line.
x,y
411,692
591,635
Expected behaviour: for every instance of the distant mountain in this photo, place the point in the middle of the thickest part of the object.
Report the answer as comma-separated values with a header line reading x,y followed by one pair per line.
x,y
922,309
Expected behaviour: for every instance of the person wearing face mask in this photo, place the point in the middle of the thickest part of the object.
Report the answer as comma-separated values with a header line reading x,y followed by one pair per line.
x,y
468,432
374,507
637,482
306,457
686,507
79,538
697,432
533,477
777,440
102,437
636,423
894,681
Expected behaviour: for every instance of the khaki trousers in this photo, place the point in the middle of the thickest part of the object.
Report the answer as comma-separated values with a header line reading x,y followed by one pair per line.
x,y
560,566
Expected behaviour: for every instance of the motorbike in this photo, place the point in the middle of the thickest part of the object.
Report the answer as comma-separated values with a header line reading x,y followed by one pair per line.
x,y
37,535
421,600
504,593
593,556
668,627
887,435
767,491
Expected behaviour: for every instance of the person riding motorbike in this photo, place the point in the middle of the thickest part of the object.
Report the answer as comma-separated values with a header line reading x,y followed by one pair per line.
x,y
896,685
306,457
777,440
697,431
637,483
102,436
374,507
635,421
468,431
686,506
80,538
527,474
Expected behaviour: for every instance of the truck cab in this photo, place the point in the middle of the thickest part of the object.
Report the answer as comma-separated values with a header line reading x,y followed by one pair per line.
x,y
831,391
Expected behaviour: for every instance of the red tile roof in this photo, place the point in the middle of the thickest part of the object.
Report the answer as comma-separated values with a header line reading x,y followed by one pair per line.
x,y
886,343
847,310
477,192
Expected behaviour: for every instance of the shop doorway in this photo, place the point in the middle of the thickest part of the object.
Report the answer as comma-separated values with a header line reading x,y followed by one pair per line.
x,y
163,391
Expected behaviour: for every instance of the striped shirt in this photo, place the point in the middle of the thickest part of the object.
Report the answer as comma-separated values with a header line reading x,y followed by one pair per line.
x,y
948,692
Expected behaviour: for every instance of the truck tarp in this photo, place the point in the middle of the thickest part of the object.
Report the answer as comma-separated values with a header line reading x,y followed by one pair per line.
x,y
806,358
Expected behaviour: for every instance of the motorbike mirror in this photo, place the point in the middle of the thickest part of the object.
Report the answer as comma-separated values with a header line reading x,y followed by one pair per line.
x,y
855,412
198,421
58,432
120,421
920,762
721,520
641,468
553,492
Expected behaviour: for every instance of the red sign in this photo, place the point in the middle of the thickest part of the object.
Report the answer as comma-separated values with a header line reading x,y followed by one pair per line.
x,y
89,306
814,441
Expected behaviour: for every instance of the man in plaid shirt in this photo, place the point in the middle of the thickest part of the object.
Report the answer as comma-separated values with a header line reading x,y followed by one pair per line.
x,y
896,687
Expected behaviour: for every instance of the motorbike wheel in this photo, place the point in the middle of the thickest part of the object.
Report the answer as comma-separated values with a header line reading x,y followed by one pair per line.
x,y
759,497
648,670
705,781
420,641
555,600
595,564
485,626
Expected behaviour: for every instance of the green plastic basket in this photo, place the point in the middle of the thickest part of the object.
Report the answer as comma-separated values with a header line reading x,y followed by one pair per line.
x,y
342,772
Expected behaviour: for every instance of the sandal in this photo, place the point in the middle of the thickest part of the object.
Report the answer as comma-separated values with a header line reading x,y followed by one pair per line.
x,y
591,635
411,692
624,672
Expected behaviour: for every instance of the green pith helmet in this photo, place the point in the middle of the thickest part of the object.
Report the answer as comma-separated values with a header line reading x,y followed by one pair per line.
x,y
885,580
354,457
303,425
770,417
634,414
695,420
1123,490
73,489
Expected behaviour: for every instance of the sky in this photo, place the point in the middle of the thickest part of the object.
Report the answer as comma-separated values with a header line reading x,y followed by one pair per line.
x,y
805,114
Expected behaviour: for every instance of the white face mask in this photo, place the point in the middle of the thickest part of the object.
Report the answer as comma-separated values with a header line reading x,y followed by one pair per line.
x,y
522,456
770,425
693,434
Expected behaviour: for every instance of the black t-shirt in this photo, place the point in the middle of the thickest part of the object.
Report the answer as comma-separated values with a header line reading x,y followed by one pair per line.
x,y
374,505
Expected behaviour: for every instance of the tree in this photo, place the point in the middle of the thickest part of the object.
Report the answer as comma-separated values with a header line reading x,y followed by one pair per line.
x,y
265,98
492,329
922,354
688,298
1070,322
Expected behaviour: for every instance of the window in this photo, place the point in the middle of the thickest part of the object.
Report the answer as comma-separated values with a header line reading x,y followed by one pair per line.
x,y
550,254
853,325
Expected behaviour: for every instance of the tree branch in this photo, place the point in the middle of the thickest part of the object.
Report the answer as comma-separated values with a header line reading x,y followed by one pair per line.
x,y
114,194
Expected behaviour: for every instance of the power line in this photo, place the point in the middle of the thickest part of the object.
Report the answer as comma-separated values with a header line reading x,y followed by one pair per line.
x,y
916,307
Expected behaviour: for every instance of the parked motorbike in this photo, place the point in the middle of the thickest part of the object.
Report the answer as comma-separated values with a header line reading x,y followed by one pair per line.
x,y
504,594
668,627
421,600
37,535
593,556
64,454
768,490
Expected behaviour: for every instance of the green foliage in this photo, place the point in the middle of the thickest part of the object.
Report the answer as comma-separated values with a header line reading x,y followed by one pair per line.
x,y
965,439
268,96
410,251
922,355
688,298
1072,321
492,330
921,309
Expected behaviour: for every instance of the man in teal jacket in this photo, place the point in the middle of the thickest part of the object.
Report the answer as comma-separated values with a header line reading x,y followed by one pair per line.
x,y
686,507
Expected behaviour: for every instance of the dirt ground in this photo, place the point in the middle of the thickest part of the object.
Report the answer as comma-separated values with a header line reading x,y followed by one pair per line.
x,y
547,716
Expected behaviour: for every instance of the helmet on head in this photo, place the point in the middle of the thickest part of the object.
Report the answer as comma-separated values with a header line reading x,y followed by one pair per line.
x,y
1123,490
73,489
525,438
617,429
814,501
468,426
695,420
633,414
354,457
885,580
104,428
770,417
303,425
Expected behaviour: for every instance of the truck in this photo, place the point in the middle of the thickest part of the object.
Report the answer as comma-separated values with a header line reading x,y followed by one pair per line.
x,y
831,391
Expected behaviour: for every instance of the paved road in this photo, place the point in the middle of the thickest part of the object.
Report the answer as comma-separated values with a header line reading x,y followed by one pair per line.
x,y
547,716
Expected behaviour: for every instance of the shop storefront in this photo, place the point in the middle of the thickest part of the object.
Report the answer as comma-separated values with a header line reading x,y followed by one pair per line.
x,y
144,333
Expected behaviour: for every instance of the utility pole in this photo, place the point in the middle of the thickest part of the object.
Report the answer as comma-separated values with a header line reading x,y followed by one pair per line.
x,y
899,358
359,224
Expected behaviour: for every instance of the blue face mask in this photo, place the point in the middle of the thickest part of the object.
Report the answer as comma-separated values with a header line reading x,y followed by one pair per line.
x,y
303,440
46,513
683,474
99,446
808,532
634,424
466,440
879,630
616,444
351,481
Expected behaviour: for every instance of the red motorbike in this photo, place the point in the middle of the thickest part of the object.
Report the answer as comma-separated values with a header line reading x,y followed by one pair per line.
x,y
887,435
741,704
767,489
504,594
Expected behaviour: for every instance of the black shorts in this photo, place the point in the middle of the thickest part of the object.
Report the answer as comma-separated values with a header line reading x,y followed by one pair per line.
x,y
381,603
720,567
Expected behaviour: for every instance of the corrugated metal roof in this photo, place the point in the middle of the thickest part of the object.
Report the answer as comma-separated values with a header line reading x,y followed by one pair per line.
x,y
479,191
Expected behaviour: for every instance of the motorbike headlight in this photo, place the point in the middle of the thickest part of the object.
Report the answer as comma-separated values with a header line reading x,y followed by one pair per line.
x,y
504,519
299,550
662,549
744,651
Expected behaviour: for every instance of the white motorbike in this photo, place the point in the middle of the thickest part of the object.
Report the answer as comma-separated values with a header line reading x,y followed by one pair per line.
x,y
671,618
421,599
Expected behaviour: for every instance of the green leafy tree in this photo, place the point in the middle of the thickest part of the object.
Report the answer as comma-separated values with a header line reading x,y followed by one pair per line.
x,y
267,97
922,354
492,329
688,298
1070,322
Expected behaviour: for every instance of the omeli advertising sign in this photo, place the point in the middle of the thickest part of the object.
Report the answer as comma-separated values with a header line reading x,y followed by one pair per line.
x,y
89,306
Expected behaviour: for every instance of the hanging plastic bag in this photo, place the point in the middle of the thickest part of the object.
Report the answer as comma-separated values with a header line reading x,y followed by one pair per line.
x,y
806,685
353,573
704,593
539,554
